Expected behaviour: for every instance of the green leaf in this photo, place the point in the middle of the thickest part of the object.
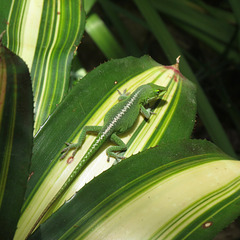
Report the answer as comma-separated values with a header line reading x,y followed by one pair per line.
x,y
104,39
236,10
183,190
122,31
88,4
217,33
171,49
16,127
45,35
87,104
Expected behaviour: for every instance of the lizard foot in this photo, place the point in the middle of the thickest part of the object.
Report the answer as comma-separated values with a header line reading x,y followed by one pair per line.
x,y
65,151
149,110
117,159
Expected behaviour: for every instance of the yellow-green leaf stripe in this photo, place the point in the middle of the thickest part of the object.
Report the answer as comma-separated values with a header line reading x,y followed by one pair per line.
x,y
46,34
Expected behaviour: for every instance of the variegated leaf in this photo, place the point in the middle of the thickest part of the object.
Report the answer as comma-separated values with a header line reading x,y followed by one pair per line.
x,y
188,189
16,128
45,34
87,104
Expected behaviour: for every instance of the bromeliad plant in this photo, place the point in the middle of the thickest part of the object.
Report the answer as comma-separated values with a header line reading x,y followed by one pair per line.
x,y
168,187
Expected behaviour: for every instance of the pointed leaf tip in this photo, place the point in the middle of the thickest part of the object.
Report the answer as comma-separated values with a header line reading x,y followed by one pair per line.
x,y
176,65
178,59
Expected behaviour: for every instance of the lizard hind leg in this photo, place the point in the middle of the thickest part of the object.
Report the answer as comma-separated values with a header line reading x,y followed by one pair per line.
x,y
111,151
123,95
76,146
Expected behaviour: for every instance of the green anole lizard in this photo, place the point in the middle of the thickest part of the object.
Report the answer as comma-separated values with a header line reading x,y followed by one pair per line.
x,y
118,119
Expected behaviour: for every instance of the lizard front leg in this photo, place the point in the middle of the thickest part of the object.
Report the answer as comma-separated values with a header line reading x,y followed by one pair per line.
x,y
76,146
121,147
146,112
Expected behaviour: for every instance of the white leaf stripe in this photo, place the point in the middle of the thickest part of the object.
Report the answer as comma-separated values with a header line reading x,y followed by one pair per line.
x,y
171,213
151,133
180,221
165,114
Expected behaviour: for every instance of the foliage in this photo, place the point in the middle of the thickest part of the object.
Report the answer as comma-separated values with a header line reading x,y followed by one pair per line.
x,y
193,177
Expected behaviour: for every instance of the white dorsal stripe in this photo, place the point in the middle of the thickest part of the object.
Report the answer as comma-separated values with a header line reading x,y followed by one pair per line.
x,y
122,111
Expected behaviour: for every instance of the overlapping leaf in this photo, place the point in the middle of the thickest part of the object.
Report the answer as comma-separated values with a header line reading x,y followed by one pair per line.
x,y
184,190
16,127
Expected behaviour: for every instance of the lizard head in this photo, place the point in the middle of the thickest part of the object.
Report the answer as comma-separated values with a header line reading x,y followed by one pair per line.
x,y
153,91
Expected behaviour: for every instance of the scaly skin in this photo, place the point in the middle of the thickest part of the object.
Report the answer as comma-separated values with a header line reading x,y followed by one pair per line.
x,y
118,119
